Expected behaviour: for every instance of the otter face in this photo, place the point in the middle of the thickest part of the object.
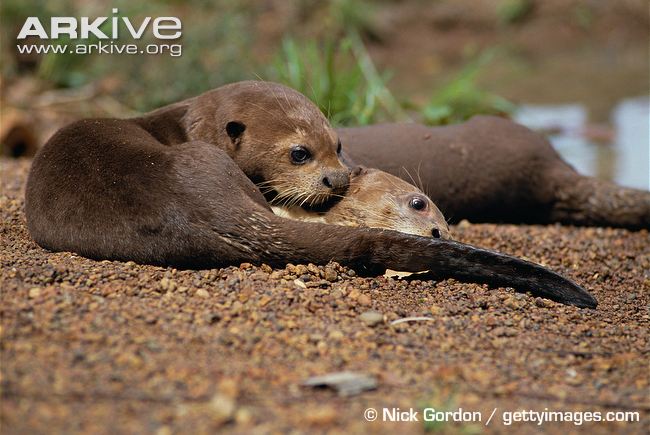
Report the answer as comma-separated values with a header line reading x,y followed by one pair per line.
x,y
379,200
285,145
424,218
310,174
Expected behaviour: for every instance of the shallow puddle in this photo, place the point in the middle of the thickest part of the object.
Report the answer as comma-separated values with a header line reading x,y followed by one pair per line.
x,y
619,151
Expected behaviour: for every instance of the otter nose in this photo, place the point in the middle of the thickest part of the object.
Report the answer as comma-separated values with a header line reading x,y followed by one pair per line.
x,y
435,233
336,180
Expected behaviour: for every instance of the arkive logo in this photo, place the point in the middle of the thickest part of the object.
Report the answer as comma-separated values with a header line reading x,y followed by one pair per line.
x,y
82,28
86,30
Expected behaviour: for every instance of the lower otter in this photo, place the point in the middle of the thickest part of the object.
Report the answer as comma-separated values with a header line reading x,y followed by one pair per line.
x,y
174,188
377,199
489,169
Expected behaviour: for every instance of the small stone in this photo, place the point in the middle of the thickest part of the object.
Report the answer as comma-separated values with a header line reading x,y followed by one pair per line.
x,y
34,292
164,430
330,274
167,284
315,338
222,408
364,300
372,318
346,383
276,274
503,331
512,302
202,293
324,415
229,388
243,416
336,335
299,283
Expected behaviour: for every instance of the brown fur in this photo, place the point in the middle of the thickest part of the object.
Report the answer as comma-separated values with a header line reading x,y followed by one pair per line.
x,y
166,189
489,169
377,199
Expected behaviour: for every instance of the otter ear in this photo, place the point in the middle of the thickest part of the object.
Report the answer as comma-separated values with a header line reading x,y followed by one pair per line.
x,y
235,130
359,170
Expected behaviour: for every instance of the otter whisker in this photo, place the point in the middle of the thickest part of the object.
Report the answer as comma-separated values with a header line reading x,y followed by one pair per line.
x,y
409,174
419,185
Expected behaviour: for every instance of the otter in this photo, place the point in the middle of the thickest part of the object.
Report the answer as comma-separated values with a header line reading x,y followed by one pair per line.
x,y
176,187
490,169
377,199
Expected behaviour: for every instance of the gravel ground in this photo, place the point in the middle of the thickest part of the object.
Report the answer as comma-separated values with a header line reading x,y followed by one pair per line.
x,y
110,347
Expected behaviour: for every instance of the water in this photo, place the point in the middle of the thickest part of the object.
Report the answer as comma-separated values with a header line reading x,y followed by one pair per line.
x,y
620,153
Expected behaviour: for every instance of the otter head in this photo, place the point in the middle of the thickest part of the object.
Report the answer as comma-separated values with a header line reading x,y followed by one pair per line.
x,y
379,200
279,138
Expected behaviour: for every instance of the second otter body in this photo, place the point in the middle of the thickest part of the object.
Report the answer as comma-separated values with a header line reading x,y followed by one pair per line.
x,y
490,169
152,191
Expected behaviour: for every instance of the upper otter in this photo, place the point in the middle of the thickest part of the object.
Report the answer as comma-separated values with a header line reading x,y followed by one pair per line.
x,y
377,199
276,135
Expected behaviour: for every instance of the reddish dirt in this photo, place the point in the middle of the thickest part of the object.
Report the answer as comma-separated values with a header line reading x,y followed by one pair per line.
x,y
111,347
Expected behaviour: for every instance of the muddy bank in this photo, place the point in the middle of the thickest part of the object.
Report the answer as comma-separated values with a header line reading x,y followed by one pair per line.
x,y
116,347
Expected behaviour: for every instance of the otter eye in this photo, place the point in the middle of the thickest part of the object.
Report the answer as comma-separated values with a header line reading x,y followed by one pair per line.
x,y
338,147
300,155
418,203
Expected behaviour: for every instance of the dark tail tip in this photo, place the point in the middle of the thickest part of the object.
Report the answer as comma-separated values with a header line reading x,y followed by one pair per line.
x,y
573,294
471,264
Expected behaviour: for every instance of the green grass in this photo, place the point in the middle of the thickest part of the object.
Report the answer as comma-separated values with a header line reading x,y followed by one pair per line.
x,y
331,66
514,11
340,78
462,97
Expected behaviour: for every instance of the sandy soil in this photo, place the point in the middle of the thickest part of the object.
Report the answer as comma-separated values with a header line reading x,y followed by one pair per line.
x,y
110,347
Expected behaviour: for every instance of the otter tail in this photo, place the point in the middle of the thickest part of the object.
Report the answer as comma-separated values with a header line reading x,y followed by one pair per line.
x,y
588,201
372,251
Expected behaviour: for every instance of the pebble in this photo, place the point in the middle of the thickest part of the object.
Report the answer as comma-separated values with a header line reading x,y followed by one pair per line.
x,y
346,383
364,300
330,274
372,318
